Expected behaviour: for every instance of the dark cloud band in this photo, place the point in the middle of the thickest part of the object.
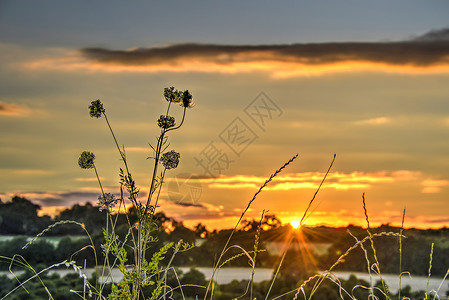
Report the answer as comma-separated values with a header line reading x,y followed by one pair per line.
x,y
426,50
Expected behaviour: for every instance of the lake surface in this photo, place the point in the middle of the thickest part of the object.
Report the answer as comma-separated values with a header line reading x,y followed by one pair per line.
x,y
226,275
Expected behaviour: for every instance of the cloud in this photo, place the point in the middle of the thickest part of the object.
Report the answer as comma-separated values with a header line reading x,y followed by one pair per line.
x,y
199,211
90,179
55,199
187,204
137,149
13,110
439,35
310,180
433,186
28,172
374,121
420,53
424,54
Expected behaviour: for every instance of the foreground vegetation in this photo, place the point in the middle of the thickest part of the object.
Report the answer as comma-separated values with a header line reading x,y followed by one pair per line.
x,y
296,267
60,287
64,238
136,242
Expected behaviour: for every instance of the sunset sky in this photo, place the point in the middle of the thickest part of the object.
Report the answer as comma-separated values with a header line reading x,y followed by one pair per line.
x,y
366,80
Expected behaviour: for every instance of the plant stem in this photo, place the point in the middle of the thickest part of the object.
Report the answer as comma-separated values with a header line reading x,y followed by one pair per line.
x,y
316,192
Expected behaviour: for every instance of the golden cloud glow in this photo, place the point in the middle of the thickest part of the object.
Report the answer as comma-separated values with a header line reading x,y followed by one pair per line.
x,y
432,186
374,121
232,185
276,69
311,180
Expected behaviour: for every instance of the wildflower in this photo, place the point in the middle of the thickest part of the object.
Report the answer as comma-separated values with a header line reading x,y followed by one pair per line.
x,y
166,122
106,201
172,95
86,160
96,109
170,159
186,99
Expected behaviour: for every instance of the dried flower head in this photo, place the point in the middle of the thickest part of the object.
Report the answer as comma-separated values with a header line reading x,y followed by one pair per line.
x,y
170,159
96,109
172,95
106,201
186,99
166,122
86,160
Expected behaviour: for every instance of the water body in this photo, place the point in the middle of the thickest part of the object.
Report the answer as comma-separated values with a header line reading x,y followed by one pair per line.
x,y
418,283
226,275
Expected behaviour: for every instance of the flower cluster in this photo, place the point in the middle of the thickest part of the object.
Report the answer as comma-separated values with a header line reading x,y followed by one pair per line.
x,y
86,160
187,99
96,109
172,95
184,98
106,201
166,122
170,159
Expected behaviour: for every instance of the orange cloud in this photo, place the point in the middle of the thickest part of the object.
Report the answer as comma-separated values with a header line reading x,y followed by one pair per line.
x,y
275,68
426,54
90,179
13,110
30,172
310,180
432,186
374,121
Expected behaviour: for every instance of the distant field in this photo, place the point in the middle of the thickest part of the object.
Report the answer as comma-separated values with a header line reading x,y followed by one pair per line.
x,y
52,239
278,247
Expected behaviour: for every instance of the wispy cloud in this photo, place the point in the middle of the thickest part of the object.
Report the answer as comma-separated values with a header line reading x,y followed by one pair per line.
x,y
90,179
27,172
374,121
432,186
138,149
425,54
60,199
14,110
198,211
439,35
311,180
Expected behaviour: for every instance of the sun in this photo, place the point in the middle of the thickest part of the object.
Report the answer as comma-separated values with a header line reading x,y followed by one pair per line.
x,y
295,223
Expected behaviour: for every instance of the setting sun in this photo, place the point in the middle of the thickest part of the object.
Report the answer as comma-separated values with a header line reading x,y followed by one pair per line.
x,y
295,224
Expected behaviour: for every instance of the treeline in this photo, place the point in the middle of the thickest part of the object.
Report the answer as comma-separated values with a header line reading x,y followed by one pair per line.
x,y
20,217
